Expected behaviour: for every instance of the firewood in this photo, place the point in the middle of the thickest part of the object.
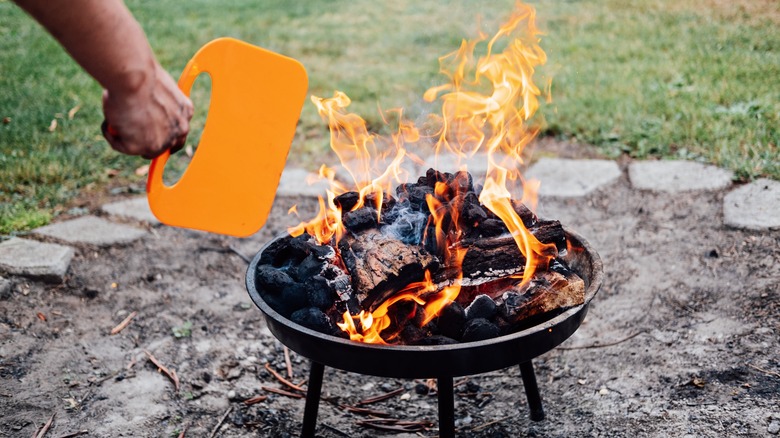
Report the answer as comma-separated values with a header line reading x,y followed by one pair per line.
x,y
494,257
548,291
381,265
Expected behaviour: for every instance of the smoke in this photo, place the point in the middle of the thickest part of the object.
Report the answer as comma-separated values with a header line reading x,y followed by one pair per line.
x,y
405,223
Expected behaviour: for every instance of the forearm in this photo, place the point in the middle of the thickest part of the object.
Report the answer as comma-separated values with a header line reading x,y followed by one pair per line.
x,y
102,36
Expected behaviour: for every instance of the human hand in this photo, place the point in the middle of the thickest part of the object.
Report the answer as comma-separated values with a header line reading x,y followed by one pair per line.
x,y
148,120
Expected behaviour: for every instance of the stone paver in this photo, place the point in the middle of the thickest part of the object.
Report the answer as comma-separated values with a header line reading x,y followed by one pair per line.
x,y
565,178
675,176
135,208
754,206
35,259
91,230
295,182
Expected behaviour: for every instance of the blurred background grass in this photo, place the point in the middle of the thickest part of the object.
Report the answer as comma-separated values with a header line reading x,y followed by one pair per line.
x,y
692,79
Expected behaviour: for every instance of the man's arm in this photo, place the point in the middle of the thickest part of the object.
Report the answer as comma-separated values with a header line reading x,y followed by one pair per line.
x,y
144,108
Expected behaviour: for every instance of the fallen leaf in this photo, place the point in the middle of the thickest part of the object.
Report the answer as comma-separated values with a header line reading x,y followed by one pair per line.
x,y
188,150
6,120
41,316
73,111
143,170
53,125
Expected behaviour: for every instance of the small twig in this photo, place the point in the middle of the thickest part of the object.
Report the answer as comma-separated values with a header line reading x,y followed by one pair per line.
x,y
184,431
282,379
255,399
41,433
489,423
610,344
71,435
221,420
288,362
365,411
333,428
460,382
767,372
281,392
379,398
170,373
125,322
395,425
240,254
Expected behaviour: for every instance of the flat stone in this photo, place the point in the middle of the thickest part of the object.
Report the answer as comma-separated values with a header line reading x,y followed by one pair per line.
x,y
754,206
565,178
299,182
135,208
29,258
677,176
91,230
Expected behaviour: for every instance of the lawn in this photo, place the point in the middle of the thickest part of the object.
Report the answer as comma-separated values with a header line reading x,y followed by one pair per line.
x,y
664,79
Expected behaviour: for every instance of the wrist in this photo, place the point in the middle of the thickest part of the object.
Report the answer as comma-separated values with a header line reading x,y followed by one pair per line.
x,y
135,80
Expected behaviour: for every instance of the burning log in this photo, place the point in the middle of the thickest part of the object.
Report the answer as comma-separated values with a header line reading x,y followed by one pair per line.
x,y
382,265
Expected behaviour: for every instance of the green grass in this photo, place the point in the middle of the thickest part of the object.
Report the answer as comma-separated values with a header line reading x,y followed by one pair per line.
x,y
693,79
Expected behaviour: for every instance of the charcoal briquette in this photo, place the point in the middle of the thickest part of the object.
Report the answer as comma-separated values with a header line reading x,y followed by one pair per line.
x,y
313,318
309,267
451,320
319,293
482,307
360,219
479,329
272,280
346,201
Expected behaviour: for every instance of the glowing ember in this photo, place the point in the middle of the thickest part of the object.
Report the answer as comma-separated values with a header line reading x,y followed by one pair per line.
x,y
485,107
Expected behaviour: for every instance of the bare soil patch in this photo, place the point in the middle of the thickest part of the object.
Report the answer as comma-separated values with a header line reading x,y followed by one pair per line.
x,y
682,339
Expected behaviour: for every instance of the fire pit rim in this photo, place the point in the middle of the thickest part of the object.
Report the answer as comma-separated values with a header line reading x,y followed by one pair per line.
x,y
591,289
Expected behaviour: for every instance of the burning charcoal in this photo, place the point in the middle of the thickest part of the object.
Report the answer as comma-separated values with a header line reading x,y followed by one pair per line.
x,y
482,307
479,329
304,245
526,215
461,182
432,176
436,340
272,280
451,320
276,252
411,334
309,267
360,219
313,318
388,202
346,201
415,195
319,293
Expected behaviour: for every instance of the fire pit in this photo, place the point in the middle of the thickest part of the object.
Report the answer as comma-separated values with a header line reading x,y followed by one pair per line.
x,y
442,362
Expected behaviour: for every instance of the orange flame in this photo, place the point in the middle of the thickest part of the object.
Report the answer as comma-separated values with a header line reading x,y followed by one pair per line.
x,y
485,106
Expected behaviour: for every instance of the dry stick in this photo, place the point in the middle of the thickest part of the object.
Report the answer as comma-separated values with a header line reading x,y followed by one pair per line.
x,y
45,427
255,399
767,372
282,379
288,363
281,392
584,347
71,435
221,420
184,431
125,322
171,374
365,411
380,397
489,423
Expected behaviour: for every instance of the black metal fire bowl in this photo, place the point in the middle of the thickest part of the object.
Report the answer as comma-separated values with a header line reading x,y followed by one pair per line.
x,y
409,361
440,361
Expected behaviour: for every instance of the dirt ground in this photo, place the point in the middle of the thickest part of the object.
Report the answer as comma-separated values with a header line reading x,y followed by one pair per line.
x,y
682,339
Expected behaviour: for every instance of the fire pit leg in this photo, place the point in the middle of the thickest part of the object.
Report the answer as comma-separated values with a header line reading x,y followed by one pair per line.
x,y
312,399
446,408
532,391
